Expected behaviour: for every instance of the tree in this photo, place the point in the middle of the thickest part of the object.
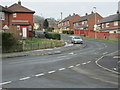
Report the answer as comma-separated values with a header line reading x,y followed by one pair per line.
x,y
45,24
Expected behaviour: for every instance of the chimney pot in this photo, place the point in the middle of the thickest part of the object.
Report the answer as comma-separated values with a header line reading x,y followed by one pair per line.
x,y
86,14
92,12
118,12
19,2
6,7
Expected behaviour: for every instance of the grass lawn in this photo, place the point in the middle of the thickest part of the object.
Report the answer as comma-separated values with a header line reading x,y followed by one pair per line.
x,y
103,40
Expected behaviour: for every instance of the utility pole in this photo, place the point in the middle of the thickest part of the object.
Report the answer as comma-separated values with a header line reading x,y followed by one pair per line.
x,y
61,16
95,26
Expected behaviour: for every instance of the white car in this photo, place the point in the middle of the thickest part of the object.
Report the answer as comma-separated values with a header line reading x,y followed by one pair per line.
x,y
76,39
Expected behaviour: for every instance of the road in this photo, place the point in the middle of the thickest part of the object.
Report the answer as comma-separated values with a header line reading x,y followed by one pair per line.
x,y
90,67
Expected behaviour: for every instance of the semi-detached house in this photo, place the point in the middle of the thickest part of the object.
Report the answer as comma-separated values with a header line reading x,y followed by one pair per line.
x,y
110,23
20,20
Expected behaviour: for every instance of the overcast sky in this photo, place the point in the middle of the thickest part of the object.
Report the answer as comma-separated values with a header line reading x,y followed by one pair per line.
x,y
53,8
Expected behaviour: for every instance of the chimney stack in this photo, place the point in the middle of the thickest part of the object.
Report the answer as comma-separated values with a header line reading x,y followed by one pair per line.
x,y
19,2
118,12
6,7
73,14
86,14
92,12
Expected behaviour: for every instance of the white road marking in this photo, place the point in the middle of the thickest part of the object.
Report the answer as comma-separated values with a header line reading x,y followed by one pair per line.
x,y
70,66
78,65
41,74
105,53
57,51
25,78
104,67
83,63
115,69
6,83
116,57
51,72
88,61
61,56
71,53
62,69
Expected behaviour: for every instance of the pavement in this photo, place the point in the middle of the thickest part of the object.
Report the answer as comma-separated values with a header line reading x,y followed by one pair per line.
x,y
74,68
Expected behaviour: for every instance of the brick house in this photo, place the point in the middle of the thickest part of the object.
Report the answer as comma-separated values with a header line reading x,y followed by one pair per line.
x,y
110,24
67,23
4,18
87,22
20,20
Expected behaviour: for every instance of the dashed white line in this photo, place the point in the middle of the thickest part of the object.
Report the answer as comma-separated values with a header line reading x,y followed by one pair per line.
x,y
61,69
115,69
25,78
5,83
78,65
83,63
51,72
105,53
88,61
71,53
70,66
41,74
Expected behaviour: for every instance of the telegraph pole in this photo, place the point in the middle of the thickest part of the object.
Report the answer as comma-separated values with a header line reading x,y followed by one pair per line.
x,y
61,16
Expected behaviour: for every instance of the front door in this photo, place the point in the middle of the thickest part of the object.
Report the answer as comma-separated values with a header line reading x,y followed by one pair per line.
x,y
24,31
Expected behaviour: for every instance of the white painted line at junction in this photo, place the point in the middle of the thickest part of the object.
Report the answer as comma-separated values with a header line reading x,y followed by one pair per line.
x,y
25,78
83,63
61,69
105,53
41,74
8,82
51,72
115,69
105,67
78,65
88,61
71,53
117,57
70,66
57,51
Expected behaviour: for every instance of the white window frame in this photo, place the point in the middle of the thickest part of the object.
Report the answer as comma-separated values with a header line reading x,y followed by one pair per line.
x,y
107,24
102,25
18,27
14,15
115,23
83,22
2,16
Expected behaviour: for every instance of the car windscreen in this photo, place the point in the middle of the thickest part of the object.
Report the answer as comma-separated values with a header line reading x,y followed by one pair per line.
x,y
77,38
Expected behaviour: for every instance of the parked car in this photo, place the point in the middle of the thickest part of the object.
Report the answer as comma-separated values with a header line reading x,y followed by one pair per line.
x,y
76,39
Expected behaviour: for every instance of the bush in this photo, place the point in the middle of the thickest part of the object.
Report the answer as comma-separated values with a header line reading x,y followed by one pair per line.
x,y
9,41
53,36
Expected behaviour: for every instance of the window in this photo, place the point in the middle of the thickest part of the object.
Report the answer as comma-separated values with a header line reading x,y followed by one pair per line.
x,y
102,25
83,22
107,24
14,15
115,23
30,28
2,16
18,27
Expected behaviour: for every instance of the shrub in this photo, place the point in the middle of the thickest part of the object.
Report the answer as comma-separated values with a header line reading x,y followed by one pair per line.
x,y
68,32
53,36
9,41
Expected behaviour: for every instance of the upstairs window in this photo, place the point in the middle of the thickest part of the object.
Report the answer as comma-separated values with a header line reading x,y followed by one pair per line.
x,y
116,23
14,15
2,16
83,22
107,24
102,25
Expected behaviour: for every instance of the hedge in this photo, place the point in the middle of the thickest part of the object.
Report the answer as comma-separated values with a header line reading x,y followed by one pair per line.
x,y
68,32
53,36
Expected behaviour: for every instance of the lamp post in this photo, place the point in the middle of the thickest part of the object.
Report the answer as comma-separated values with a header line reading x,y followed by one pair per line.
x,y
95,26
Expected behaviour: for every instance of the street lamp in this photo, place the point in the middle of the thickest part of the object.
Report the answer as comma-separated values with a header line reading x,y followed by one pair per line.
x,y
95,26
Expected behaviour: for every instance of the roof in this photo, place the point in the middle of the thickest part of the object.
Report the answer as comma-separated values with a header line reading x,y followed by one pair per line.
x,y
3,9
19,8
83,18
115,17
69,17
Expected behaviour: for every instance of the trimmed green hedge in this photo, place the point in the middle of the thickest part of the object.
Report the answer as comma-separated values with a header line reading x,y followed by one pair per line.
x,y
55,36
